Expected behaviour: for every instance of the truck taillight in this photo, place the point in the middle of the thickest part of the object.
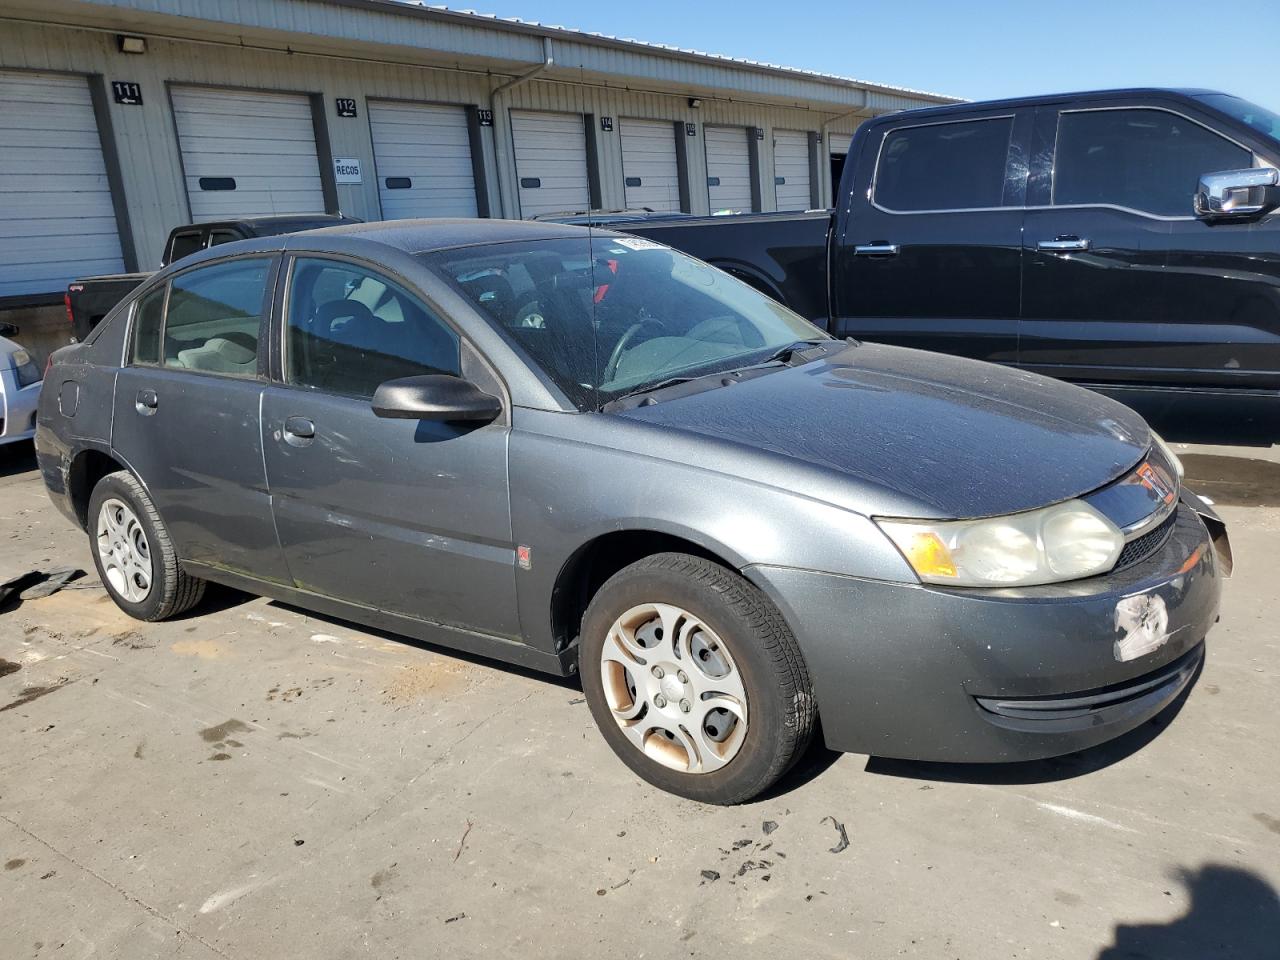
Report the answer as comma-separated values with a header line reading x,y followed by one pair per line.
x,y
66,301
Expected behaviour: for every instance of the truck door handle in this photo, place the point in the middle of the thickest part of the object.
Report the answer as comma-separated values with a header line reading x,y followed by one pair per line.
x,y
877,249
1064,244
299,431
146,402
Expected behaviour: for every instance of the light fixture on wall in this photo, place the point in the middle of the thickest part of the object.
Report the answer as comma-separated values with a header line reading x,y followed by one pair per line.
x,y
131,44
695,103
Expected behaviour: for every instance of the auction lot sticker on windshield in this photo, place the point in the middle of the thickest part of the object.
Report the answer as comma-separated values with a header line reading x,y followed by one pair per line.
x,y
638,243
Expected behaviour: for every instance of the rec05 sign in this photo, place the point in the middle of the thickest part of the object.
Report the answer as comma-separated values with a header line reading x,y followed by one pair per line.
x,y
346,170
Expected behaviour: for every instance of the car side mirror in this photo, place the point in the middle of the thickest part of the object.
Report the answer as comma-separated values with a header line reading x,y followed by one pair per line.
x,y
8,330
435,397
1237,194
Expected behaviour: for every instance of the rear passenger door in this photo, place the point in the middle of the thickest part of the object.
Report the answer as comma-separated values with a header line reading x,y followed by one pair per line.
x,y
410,517
1122,283
186,413
930,254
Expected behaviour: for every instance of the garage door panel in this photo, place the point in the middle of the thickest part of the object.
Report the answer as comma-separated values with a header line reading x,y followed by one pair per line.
x,y
265,142
729,163
57,220
791,166
551,149
422,153
651,173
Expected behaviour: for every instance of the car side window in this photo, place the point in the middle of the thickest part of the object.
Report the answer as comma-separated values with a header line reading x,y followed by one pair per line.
x,y
1143,159
183,244
944,166
223,236
148,318
212,321
351,329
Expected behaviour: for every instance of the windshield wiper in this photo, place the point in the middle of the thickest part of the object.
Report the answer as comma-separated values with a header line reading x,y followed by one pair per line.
x,y
620,400
798,346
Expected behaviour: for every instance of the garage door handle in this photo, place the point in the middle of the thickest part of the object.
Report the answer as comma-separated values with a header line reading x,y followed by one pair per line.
x,y
146,402
1063,245
876,250
299,431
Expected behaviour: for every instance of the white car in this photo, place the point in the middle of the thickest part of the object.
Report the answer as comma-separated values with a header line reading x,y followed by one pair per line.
x,y
19,392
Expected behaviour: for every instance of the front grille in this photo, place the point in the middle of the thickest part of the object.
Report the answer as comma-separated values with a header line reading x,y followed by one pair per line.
x,y
1137,550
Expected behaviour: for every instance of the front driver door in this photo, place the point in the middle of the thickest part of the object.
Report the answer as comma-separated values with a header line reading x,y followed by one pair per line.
x,y
404,516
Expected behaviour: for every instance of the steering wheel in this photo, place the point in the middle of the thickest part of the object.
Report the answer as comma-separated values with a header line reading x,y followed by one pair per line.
x,y
611,368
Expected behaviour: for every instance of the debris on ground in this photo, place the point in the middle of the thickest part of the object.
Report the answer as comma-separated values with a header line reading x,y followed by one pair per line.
x,y
749,865
462,843
710,876
739,844
455,917
577,700
769,826
844,836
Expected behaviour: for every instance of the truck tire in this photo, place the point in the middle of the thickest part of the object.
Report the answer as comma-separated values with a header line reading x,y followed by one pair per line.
x,y
694,679
133,553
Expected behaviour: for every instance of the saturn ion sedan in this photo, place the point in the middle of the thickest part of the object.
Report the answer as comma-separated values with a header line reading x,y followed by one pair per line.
x,y
587,453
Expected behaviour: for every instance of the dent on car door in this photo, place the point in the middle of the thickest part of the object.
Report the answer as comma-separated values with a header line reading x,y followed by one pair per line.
x,y
931,257
186,413
410,517
1121,282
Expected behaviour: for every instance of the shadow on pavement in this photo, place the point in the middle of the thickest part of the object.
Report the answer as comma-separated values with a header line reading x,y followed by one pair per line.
x,y
16,458
1039,771
1234,915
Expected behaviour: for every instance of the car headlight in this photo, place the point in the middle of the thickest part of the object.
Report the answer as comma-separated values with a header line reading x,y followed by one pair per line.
x,y
25,369
1066,541
1158,442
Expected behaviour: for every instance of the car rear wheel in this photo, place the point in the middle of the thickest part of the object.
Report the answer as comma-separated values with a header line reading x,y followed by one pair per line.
x,y
694,679
133,553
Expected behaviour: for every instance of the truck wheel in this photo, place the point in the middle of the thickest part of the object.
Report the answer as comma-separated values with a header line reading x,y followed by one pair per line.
x,y
133,553
695,679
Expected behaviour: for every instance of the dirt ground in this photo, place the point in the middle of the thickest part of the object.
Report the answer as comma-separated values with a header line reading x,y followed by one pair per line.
x,y
253,781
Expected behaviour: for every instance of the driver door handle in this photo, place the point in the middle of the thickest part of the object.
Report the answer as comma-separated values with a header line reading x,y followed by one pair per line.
x,y
877,249
1063,244
299,431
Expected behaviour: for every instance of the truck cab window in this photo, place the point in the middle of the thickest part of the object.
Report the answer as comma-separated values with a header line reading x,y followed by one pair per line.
x,y
183,244
1142,159
944,166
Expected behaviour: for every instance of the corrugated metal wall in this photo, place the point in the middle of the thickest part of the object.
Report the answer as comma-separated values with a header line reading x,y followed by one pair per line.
x,y
148,149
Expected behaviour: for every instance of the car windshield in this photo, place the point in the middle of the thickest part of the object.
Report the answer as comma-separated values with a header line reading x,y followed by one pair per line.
x,y
621,314
1259,118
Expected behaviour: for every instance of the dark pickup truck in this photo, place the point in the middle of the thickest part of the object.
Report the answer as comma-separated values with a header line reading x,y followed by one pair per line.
x,y
91,299
1124,240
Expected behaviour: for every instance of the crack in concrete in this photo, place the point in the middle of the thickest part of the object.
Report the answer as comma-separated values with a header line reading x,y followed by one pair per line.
x,y
182,931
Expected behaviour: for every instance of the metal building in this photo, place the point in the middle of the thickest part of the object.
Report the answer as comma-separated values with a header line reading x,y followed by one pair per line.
x,y
120,119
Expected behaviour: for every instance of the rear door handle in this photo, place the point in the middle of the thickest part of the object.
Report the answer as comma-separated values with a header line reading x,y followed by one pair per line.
x,y
1063,245
299,431
877,249
146,402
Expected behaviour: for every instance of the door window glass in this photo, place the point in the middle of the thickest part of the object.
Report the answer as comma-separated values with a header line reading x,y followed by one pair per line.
x,y
944,166
184,244
1148,160
214,315
147,321
351,329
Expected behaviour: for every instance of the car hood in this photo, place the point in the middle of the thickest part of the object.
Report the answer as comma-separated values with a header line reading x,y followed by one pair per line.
x,y
948,436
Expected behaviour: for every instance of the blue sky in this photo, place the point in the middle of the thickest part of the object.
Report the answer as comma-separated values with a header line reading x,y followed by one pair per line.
x,y
974,49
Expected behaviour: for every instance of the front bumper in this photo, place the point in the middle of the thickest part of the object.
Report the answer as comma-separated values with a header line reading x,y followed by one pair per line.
x,y
933,673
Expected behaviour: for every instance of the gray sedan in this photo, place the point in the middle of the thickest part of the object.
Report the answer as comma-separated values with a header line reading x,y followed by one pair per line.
x,y
587,453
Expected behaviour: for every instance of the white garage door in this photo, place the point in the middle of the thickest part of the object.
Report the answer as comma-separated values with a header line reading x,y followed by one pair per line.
x,y
422,153
247,154
791,169
56,218
551,162
651,176
728,168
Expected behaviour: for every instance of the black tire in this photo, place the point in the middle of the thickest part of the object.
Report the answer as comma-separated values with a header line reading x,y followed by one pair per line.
x,y
173,590
781,710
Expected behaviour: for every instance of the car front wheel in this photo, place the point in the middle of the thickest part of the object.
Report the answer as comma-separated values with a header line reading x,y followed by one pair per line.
x,y
695,679
133,553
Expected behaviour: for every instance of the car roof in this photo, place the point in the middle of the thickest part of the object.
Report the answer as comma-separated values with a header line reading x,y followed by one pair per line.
x,y
274,223
429,235
1030,101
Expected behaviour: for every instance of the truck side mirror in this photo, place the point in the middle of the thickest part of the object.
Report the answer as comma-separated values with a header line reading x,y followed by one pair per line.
x,y
1237,194
8,330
